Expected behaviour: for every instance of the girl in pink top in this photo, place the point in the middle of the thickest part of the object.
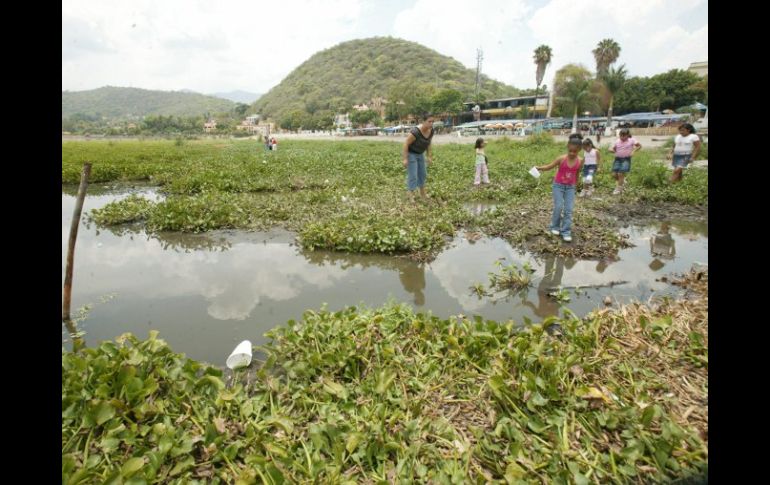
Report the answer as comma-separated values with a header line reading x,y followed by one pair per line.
x,y
623,148
564,183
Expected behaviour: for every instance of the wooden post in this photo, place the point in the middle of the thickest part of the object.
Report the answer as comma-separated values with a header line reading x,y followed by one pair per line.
x,y
65,314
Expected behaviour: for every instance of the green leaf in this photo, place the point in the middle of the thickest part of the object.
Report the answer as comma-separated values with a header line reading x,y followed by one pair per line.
x,y
285,423
536,425
182,466
108,445
647,415
335,389
131,466
538,400
384,381
352,442
275,449
514,472
165,443
212,381
104,412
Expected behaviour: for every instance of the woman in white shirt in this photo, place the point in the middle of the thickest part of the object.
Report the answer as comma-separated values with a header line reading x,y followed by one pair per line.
x,y
686,148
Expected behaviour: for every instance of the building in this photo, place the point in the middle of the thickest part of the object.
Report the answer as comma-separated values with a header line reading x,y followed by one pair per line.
x,y
378,104
342,120
209,126
250,124
699,68
505,108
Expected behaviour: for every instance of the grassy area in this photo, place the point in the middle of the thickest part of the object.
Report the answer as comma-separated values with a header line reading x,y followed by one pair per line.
x,y
388,396
351,196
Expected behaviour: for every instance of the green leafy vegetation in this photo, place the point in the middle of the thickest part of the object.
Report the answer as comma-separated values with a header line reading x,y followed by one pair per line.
x,y
386,395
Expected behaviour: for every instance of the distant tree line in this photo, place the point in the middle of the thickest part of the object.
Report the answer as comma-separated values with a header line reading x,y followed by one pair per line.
x,y
96,124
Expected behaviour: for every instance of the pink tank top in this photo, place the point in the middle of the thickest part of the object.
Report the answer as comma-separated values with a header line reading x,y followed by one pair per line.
x,y
567,175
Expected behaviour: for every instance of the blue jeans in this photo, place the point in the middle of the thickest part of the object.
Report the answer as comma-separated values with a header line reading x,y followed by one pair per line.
x,y
563,200
416,173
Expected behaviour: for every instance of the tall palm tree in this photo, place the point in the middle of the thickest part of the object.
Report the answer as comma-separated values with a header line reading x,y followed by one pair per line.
x,y
613,80
542,58
577,93
607,51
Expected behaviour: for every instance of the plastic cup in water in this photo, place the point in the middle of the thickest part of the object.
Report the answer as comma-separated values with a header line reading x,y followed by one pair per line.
x,y
534,172
241,356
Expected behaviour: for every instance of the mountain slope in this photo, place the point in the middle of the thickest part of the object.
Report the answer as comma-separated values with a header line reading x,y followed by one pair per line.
x,y
131,103
356,71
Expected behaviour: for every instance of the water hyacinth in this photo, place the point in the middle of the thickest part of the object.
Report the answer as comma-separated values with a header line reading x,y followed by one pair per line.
x,y
386,395
309,187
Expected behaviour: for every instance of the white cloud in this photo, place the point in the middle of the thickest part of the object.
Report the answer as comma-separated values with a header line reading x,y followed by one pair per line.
x,y
457,29
680,48
241,44
175,44
650,40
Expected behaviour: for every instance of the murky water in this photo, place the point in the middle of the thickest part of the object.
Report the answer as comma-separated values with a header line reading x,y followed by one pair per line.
x,y
207,292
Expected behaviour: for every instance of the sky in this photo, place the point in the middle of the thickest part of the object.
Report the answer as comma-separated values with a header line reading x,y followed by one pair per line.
x,y
251,45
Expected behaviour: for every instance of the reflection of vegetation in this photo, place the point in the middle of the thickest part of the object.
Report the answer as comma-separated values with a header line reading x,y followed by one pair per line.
x,y
511,277
172,240
114,187
191,242
81,314
561,295
689,227
348,395
479,290
351,260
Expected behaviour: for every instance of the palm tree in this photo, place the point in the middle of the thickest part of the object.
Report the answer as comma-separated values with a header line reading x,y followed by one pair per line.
x,y
577,93
606,52
613,80
542,59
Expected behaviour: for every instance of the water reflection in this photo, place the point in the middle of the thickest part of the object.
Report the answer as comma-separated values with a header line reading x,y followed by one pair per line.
x,y
662,243
411,274
174,241
413,279
479,208
206,292
662,247
553,273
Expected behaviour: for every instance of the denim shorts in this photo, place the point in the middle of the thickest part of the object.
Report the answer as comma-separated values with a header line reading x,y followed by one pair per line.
x,y
621,164
681,160
589,170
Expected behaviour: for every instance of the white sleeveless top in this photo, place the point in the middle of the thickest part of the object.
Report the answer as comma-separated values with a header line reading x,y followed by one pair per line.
x,y
590,157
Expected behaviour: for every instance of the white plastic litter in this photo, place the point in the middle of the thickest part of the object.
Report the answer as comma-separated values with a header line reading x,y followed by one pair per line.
x,y
241,356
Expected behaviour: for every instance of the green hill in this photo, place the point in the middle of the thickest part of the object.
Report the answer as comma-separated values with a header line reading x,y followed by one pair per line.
x,y
356,71
133,103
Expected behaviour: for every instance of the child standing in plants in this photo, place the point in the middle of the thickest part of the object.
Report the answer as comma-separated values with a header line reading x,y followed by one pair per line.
x,y
592,159
564,183
481,163
686,148
623,148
